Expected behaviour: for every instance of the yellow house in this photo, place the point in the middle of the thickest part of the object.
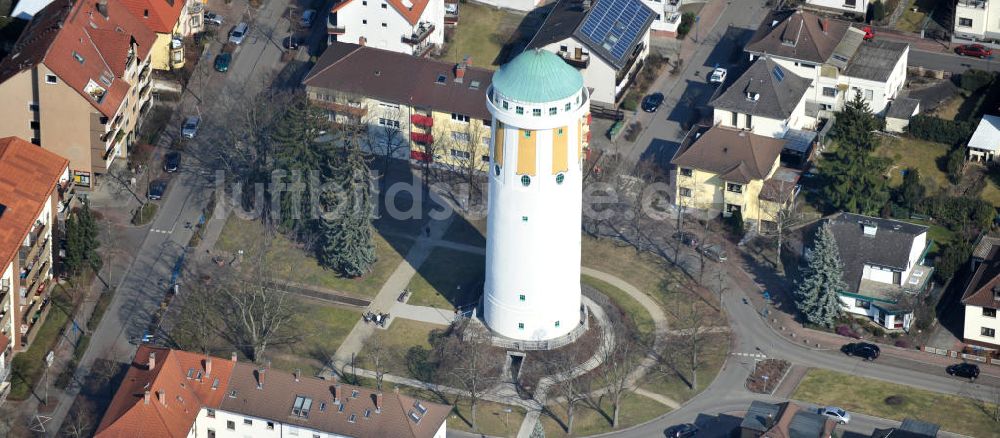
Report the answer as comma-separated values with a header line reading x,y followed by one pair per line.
x,y
171,20
726,170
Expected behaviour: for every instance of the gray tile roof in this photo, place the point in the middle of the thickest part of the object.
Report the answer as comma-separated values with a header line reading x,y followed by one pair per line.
x,y
758,414
875,60
796,34
568,16
889,247
776,98
902,108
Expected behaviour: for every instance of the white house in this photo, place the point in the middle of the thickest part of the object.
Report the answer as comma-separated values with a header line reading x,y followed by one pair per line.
x,y
982,295
985,141
767,99
835,57
607,40
414,27
976,20
859,7
883,267
668,16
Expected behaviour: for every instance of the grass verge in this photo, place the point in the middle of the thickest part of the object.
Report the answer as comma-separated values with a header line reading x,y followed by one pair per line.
x,y
401,335
144,214
27,366
717,348
448,278
635,409
323,329
490,416
868,396
643,321
469,233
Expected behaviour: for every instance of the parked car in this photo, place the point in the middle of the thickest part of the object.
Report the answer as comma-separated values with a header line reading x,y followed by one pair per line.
x,y
714,252
863,350
213,18
869,33
686,430
156,189
190,127
718,75
239,33
836,414
306,20
975,50
451,8
652,102
172,162
292,42
687,238
222,61
967,370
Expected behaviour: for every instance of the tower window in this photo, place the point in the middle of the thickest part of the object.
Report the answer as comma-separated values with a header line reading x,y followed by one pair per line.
x,y
560,178
521,297
519,110
496,169
537,112
520,326
557,324
552,111
568,106
505,104
525,180
524,218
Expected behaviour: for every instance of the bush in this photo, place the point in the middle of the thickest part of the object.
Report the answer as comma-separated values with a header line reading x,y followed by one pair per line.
x,y
878,332
940,130
973,80
846,331
878,10
950,260
955,164
633,131
903,343
958,213
687,20
631,102
895,400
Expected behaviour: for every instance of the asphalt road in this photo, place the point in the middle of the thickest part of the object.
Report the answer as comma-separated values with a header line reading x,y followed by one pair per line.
x,y
951,62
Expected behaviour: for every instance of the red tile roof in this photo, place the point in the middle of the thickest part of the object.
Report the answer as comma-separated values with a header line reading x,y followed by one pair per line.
x,y
28,175
174,375
61,34
411,13
980,289
159,15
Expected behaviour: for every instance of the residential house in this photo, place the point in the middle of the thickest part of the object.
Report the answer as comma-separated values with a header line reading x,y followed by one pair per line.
x,y
834,57
767,99
173,393
857,7
985,141
910,428
25,9
172,20
982,295
784,420
607,40
727,170
668,16
413,27
32,181
77,82
976,20
410,105
883,261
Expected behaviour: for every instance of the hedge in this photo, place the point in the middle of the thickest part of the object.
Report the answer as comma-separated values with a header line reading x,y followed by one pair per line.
x,y
940,130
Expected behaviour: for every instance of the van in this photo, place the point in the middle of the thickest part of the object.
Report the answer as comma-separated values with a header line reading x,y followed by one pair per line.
x,y
239,33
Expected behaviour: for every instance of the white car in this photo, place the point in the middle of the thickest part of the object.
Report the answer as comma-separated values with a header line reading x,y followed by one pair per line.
x,y
718,76
239,33
307,18
190,127
836,414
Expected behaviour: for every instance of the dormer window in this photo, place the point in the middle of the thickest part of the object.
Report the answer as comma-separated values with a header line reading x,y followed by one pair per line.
x,y
753,96
996,292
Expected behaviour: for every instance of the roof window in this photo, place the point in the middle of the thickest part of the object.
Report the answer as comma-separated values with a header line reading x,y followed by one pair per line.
x,y
78,57
301,406
441,79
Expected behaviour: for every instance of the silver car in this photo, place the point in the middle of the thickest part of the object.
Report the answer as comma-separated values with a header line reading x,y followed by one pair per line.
x,y
713,252
836,414
239,33
190,127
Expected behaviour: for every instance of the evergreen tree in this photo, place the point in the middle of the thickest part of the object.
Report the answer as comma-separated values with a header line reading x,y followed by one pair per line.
x,y
296,150
346,239
81,241
857,125
912,191
816,294
856,180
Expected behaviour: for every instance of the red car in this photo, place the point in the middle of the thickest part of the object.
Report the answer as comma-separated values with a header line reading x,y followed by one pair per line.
x,y
977,50
869,33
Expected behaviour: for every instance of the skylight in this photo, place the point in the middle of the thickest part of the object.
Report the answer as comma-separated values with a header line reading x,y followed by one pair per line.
x,y
301,406
421,408
441,79
778,73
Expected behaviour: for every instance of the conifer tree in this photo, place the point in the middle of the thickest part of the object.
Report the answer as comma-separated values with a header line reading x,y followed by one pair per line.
x,y
346,238
855,178
816,294
81,241
296,150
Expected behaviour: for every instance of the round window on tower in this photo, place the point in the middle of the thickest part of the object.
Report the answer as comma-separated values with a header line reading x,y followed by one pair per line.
x,y
496,169
560,178
525,180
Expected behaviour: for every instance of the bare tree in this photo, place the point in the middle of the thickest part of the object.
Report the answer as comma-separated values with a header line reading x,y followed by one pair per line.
x,y
571,390
783,218
688,340
470,363
377,355
386,135
468,150
620,360
79,424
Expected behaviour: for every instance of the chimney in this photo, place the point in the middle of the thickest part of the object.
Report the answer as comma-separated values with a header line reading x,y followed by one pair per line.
x,y
825,25
161,395
233,357
378,402
145,397
336,393
102,8
208,366
260,378
460,72
296,374
151,364
586,4
362,41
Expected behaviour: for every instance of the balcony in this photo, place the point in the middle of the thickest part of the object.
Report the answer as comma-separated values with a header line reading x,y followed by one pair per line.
x,y
422,138
421,33
422,49
348,109
578,60
977,4
422,120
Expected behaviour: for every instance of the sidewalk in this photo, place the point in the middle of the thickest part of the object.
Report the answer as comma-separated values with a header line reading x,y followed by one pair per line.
x,y
914,40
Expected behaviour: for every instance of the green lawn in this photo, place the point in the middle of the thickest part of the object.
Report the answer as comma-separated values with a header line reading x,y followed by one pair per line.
x,y
644,271
913,153
401,335
913,21
490,416
635,409
27,366
672,386
952,413
289,261
631,307
323,328
481,33
448,278
469,233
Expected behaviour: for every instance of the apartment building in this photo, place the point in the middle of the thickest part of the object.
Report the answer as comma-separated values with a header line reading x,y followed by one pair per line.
x,y
413,108
834,57
171,20
77,81
181,394
977,20
413,27
32,183
728,171
981,297
607,40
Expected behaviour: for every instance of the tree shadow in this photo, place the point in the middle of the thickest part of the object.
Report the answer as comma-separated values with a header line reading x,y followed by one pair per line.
x,y
522,34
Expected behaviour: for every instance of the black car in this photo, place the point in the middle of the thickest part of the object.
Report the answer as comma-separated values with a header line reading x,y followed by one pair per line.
x,y
292,42
863,350
967,370
686,430
171,162
652,102
156,189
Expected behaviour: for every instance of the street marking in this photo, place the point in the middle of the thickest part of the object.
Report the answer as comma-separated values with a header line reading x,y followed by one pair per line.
x,y
161,231
753,355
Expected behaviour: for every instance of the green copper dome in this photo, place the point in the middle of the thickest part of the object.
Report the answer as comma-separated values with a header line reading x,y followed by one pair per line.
x,y
537,76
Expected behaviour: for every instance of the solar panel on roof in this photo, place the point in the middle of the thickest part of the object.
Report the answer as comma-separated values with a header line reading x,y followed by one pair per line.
x,y
778,73
615,24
